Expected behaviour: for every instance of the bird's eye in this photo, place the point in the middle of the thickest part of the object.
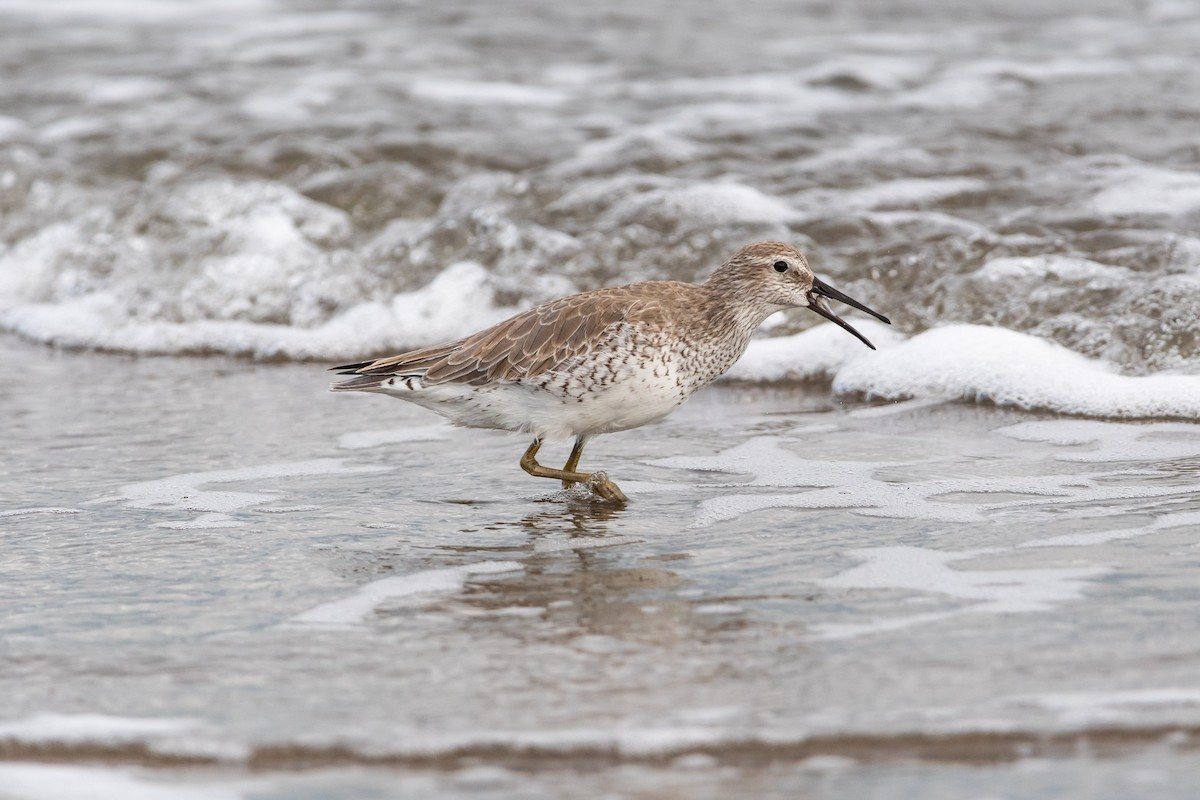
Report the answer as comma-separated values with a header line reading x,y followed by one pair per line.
x,y
781,266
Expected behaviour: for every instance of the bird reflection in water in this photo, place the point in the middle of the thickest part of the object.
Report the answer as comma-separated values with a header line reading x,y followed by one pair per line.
x,y
581,581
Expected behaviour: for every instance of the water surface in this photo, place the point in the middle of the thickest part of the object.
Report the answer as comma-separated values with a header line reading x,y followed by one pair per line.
x,y
218,580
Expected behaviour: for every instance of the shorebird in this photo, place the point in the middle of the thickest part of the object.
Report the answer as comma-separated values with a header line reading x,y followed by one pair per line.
x,y
605,360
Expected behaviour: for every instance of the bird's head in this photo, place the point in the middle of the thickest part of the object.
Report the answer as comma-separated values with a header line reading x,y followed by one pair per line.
x,y
777,276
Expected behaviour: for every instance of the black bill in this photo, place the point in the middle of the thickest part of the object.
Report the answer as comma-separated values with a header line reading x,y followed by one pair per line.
x,y
817,302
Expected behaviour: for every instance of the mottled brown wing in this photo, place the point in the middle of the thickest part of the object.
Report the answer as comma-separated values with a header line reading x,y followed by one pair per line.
x,y
367,374
412,361
533,342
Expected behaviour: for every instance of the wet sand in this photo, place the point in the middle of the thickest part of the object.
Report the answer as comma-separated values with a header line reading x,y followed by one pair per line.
x,y
220,578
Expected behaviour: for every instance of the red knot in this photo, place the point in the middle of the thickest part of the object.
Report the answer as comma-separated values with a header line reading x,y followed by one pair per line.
x,y
605,360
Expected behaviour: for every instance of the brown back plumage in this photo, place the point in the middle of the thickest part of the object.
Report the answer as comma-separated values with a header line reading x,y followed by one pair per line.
x,y
529,344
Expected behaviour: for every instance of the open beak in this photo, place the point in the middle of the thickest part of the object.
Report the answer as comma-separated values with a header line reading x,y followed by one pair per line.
x,y
817,302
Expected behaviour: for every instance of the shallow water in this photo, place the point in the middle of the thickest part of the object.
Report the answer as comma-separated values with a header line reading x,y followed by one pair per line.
x,y
218,580
799,596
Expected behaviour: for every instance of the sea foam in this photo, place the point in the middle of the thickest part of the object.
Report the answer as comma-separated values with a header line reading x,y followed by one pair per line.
x,y
979,363
972,363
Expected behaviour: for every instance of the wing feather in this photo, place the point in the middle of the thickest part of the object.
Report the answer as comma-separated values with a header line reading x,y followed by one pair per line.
x,y
529,344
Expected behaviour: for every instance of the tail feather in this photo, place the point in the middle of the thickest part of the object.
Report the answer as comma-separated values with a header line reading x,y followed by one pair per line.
x,y
370,375
374,382
351,369
362,383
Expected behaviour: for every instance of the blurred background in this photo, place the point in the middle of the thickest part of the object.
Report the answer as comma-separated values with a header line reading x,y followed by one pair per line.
x,y
287,179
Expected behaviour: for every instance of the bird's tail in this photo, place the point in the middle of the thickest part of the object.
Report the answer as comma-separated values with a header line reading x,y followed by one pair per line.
x,y
361,381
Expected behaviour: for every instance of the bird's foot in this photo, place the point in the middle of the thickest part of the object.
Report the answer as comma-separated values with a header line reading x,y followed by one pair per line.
x,y
599,483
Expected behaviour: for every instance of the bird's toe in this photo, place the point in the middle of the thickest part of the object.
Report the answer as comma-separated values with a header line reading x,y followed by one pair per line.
x,y
605,488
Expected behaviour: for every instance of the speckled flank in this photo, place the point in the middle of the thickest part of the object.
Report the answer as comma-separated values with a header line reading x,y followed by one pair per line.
x,y
600,361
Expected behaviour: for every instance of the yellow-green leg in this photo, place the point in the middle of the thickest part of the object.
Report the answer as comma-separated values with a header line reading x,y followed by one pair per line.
x,y
598,482
573,461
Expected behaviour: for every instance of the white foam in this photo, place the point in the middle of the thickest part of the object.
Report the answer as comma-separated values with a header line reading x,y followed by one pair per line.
x,y
187,492
881,72
774,465
814,354
22,512
900,193
752,104
1165,522
298,101
457,301
468,92
928,224
837,485
1031,270
116,91
1171,10
1172,696
701,204
13,130
990,591
973,362
958,88
718,609
648,145
855,491
1143,189
62,782
977,82
205,522
1076,709
285,509
1075,66
139,11
852,486
1091,441
868,149
355,609
78,728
